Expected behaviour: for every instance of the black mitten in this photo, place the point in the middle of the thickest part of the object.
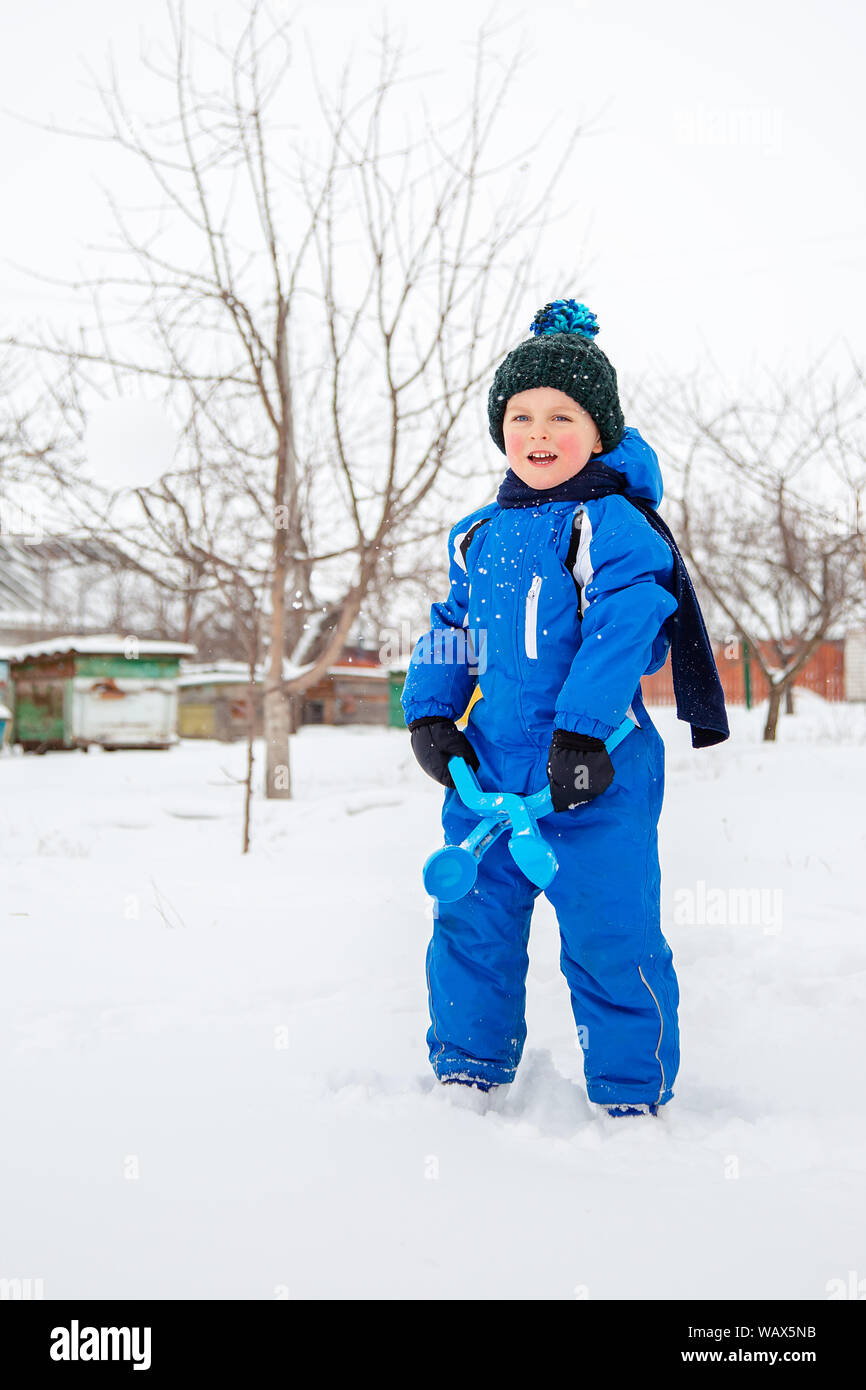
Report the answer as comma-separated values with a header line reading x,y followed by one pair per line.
x,y
578,769
434,741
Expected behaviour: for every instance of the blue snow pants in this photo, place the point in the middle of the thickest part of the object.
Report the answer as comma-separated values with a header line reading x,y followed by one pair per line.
x,y
617,964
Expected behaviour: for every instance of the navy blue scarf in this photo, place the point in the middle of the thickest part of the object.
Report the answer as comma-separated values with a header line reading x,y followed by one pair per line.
x,y
697,688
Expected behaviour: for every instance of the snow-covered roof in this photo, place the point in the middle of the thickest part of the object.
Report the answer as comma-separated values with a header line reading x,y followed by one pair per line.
x,y
102,644
236,673
216,677
356,669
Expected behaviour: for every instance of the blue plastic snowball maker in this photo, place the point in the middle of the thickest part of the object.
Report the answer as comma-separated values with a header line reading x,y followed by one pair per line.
x,y
449,873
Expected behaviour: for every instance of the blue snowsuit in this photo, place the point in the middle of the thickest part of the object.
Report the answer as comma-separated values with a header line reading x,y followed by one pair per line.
x,y
520,577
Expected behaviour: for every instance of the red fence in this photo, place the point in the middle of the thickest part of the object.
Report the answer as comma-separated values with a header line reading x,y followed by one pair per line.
x,y
824,673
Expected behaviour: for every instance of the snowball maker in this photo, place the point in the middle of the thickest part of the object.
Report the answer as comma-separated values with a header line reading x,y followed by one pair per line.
x,y
450,873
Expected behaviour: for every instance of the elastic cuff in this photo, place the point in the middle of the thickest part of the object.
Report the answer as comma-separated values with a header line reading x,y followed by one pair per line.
x,y
605,1093
583,724
564,738
430,709
478,1072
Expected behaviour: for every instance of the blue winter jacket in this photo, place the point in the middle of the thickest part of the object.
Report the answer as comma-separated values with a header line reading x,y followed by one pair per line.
x,y
556,610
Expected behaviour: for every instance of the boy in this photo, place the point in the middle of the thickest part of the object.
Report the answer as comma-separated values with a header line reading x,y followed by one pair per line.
x,y
574,588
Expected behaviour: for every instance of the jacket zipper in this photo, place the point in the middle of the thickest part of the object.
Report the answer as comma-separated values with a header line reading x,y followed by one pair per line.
x,y
515,632
530,625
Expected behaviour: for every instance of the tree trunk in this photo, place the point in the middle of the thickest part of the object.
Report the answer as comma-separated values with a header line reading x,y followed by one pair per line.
x,y
277,715
789,698
276,718
251,737
248,788
278,781
772,714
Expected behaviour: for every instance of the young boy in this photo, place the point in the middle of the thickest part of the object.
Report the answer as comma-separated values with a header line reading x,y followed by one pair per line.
x,y
564,592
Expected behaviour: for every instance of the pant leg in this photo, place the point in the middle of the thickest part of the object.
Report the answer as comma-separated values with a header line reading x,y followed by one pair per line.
x,y
617,963
477,958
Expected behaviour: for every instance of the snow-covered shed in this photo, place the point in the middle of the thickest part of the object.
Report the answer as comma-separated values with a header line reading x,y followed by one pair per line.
x,y
108,689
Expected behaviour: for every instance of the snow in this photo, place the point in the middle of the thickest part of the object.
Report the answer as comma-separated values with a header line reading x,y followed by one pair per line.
x,y
239,676
102,644
216,1077
234,673
357,669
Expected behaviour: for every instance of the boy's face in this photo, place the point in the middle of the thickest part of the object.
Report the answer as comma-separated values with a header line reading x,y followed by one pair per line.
x,y
546,421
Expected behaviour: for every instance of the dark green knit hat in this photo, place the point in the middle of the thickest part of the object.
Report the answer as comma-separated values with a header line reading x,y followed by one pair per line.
x,y
562,354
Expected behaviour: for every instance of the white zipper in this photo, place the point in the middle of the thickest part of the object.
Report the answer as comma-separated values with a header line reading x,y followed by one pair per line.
x,y
530,636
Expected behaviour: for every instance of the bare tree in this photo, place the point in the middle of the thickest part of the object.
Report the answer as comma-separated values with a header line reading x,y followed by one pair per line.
x,y
25,445
334,405
771,536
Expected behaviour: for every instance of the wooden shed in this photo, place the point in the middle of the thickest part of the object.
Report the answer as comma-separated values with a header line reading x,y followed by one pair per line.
x,y
354,693
213,702
110,690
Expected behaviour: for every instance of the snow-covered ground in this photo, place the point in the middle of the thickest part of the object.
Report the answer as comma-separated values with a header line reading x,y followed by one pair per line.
x,y
216,1076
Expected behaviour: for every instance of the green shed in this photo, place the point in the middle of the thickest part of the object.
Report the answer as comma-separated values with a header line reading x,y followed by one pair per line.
x,y
396,681
110,690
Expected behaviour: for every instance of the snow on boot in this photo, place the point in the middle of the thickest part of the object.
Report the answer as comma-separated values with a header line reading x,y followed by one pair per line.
x,y
478,1081
615,1111
468,1093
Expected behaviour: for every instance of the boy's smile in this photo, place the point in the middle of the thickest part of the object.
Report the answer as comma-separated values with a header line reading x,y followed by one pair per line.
x,y
548,436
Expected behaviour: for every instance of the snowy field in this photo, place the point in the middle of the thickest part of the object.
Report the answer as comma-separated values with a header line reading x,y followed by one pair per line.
x,y
216,1079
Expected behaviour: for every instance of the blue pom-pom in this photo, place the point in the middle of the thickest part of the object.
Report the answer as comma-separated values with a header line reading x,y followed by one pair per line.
x,y
565,316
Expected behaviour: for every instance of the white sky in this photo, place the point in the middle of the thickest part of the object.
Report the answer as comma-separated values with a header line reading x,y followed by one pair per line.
x,y
720,207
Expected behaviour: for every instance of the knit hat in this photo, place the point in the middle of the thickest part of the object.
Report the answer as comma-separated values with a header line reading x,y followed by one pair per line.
x,y
562,354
